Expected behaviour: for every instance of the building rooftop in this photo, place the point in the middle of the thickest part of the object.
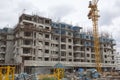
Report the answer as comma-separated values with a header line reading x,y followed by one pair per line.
x,y
6,30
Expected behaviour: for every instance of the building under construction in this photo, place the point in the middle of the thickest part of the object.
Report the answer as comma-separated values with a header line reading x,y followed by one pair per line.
x,y
38,42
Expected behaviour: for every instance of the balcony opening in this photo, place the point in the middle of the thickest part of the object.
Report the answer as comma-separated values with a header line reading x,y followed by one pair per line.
x,y
46,51
40,20
93,56
82,55
70,60
27,34
88,60
93,61
28,25
76,60
63,46
105,50
46,43
81,42
82,49
63,40
47,28
63,53
55,59
92,50
56,52
27,42
69,47
40,34
40,58
87,37
82,60
47,36
69,40
69,33
34,43
56,45
26,58
28,18
47,21
113,62
35,35
46,59
70,54
88,55
56,38
105,56
105,61
26,50
40,26
63,59
88,49
112,57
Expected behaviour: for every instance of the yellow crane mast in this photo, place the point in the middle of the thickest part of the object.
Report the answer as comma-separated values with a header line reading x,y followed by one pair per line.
x,y
93,15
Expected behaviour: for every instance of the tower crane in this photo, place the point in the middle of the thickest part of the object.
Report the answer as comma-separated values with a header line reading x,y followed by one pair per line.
x,y
93,15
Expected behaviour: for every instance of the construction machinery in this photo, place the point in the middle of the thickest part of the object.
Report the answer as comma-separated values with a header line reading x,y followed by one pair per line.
x,y
58,73
93,15
7,73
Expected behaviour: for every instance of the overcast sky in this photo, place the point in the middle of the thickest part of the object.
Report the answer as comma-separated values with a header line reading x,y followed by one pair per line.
x,y
69,11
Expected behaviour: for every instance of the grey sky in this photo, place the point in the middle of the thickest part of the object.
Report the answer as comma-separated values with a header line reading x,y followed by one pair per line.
x,y
69,11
